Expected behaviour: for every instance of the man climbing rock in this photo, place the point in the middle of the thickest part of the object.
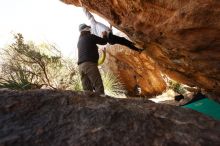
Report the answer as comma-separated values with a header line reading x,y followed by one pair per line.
x,y
88,58
102,30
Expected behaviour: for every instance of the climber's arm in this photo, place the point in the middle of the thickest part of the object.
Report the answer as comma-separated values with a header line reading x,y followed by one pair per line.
x,y
87,13
89,16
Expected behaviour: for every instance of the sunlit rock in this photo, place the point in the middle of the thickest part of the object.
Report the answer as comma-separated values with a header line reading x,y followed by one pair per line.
x,y
181,36
134,69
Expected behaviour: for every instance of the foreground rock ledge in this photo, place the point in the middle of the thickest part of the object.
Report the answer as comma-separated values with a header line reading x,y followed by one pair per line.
x,y
66,118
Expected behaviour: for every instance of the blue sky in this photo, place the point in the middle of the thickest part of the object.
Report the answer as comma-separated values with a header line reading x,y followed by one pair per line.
x,y
42,21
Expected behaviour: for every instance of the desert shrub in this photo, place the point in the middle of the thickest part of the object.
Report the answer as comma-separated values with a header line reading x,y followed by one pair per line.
x,y
30,66
113,87
26,65
176,87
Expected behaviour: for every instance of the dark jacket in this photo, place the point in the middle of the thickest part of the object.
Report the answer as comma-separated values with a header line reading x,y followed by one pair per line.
x,y
87,48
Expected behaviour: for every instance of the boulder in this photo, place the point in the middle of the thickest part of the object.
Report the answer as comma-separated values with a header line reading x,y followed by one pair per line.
x,y
67,118
181,36
134,69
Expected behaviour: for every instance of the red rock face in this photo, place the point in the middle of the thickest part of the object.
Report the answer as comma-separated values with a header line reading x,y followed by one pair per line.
x,y
134,69
181,36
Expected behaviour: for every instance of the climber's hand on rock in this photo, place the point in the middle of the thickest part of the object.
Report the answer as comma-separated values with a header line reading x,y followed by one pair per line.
x,y
80,3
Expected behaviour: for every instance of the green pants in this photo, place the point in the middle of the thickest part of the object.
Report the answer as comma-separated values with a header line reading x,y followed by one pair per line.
x,y
91,78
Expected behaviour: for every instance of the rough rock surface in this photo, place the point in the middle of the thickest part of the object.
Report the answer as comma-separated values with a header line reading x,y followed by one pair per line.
x,y
66,118
182,36
134,69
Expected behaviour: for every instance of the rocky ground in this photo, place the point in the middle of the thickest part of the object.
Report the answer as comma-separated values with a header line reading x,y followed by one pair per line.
x,y
67,118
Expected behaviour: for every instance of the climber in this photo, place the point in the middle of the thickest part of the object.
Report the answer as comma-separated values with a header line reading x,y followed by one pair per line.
x,y
102,30
88,58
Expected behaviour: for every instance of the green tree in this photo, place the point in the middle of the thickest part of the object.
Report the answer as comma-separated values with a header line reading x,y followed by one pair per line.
x,y
30,66
27,66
